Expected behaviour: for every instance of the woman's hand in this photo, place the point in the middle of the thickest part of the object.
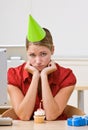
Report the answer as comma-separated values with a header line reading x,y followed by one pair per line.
x,y
50,68
30,68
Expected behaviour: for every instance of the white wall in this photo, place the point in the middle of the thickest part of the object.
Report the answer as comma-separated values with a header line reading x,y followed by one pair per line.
x,y
13,21
68,22
66,19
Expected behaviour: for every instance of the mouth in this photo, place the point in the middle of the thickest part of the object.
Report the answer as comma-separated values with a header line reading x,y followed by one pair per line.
x,y
40,67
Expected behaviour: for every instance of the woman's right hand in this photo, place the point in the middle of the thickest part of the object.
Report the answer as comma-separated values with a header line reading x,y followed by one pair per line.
x,y
30,68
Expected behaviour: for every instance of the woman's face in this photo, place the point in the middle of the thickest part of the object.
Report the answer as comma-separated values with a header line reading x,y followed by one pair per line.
x,y
39,56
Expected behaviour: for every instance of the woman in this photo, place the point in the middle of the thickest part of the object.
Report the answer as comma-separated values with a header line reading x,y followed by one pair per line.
x,y
40,79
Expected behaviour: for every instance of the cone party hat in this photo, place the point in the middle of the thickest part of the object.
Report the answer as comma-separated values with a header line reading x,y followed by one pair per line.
x,y
35,31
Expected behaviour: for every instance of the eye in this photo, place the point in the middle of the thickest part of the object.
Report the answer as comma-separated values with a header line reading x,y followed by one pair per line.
x,y
32,55
43,54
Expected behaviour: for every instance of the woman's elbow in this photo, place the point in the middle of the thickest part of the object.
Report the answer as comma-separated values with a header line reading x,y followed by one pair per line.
x,y
52,117
24,117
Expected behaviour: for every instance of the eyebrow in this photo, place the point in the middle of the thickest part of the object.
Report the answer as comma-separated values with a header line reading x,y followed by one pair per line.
x,y
39,52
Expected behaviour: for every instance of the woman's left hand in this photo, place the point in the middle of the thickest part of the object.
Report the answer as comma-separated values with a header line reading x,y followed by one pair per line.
x,y
50,68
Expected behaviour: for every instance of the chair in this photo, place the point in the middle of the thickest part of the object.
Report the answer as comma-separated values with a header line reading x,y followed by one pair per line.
x,y
10,113
71,110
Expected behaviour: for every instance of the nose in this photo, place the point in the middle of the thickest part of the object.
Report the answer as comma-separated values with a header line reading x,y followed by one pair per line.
x,y
38,60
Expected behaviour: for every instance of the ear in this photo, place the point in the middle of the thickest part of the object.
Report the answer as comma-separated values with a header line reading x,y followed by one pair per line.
x,y
52,50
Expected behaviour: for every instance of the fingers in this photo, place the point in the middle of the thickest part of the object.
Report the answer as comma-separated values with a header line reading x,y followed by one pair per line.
x,y
30,68
52,63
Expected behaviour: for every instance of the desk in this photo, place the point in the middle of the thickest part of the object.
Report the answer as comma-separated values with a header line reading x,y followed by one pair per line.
x,y
48,125
4,108
81,90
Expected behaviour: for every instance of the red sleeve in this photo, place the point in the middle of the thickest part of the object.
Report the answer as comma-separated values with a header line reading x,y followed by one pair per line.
x,y
13,77
61,78
67,78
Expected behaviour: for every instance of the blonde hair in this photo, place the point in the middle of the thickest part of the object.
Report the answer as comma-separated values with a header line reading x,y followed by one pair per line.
x,y
47,41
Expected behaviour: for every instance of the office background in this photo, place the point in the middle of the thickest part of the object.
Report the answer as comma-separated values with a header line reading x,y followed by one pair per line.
x,y
66,19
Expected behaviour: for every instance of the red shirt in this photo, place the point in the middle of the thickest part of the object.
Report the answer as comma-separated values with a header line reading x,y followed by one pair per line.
x,y
60,78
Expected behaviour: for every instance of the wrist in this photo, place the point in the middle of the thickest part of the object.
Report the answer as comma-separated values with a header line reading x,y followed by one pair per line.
x,y
43,75
36,74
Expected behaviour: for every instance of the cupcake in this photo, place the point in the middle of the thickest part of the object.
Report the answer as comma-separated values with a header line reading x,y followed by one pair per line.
x,y
39,116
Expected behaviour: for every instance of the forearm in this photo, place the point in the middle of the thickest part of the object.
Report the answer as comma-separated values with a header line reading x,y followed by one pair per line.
x,y
26,107
50,106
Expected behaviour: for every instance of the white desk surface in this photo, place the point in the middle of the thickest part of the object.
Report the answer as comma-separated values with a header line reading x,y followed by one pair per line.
x,y
5,107
81,88
48,125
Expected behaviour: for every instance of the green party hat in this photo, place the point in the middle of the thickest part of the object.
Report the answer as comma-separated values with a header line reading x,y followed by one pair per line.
x,y
35,31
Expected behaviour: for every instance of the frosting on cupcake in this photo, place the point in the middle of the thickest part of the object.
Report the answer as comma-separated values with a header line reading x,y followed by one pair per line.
x,y
39,112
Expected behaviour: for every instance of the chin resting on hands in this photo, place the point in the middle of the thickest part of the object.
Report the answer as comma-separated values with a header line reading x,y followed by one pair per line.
x,y
30,68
